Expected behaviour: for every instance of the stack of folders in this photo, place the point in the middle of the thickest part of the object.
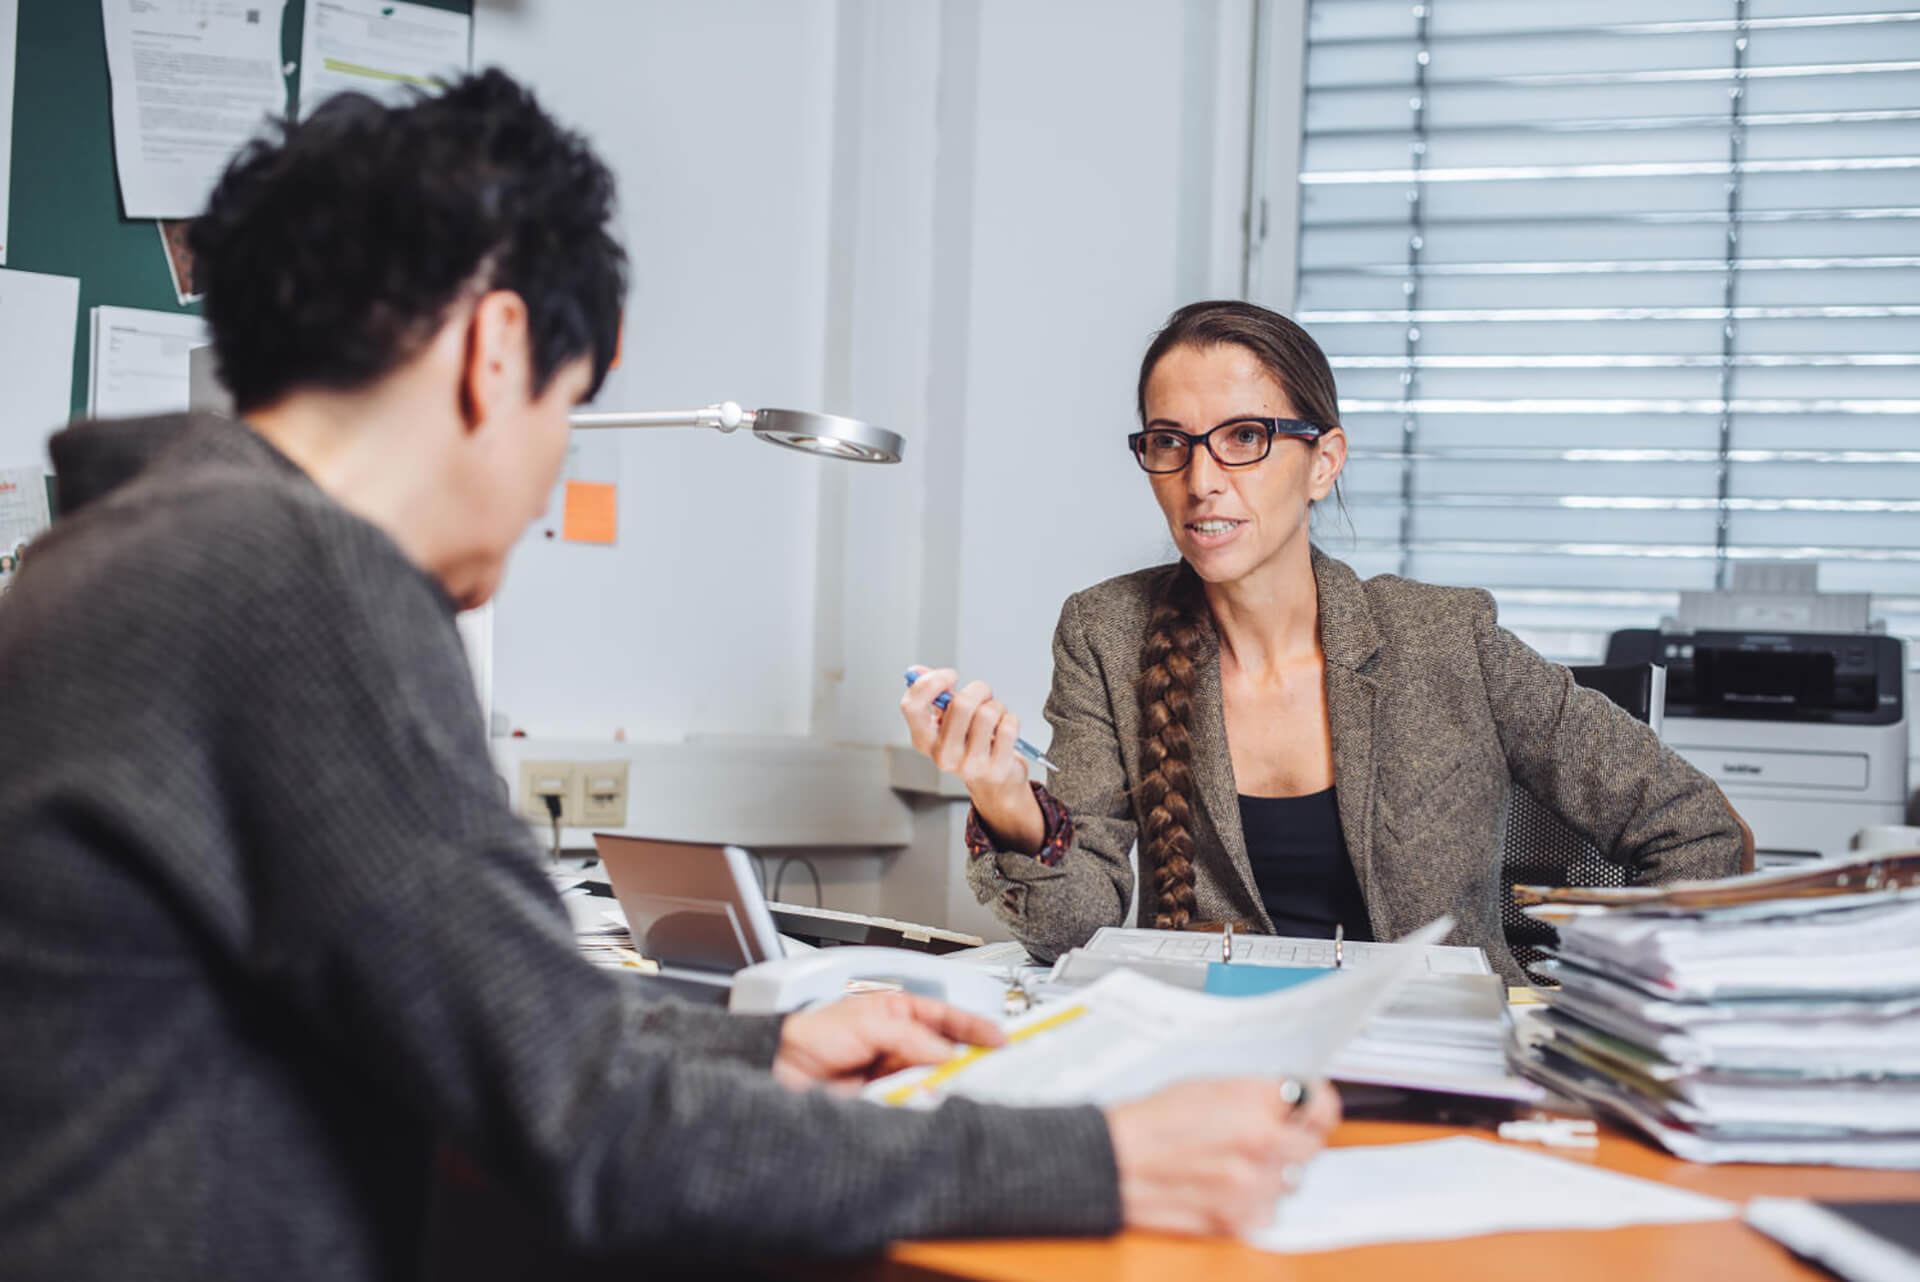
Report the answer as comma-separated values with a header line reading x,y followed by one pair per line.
x,y
1769,1018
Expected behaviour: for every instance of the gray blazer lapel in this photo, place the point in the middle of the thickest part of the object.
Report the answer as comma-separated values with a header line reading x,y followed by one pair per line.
x,y
1349,640
1213,776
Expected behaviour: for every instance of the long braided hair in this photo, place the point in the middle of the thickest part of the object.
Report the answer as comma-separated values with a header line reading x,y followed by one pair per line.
x,y
1179,625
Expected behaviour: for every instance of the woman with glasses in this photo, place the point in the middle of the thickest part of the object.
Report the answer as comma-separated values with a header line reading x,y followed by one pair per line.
x,y
1295,750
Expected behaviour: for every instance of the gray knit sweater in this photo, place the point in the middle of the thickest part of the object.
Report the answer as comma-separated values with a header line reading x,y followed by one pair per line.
x,y
268,930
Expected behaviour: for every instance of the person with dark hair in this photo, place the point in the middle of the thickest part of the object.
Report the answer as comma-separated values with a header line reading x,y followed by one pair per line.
x,y
269,931
1294,750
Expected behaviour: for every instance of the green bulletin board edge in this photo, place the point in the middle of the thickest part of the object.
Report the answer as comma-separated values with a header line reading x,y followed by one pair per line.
x,y
65,215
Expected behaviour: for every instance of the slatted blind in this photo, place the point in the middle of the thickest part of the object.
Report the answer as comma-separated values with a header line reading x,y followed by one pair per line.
x,y
1618,294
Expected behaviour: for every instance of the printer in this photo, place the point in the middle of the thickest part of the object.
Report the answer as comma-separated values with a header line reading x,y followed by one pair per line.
x,y
1790,700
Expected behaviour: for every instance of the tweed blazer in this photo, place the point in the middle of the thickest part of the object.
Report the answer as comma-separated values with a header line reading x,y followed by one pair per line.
x,y
1436,713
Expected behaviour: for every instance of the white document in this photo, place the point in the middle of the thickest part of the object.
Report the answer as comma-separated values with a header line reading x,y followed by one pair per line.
x,y
192,80
140,361
9,47
379,49
38,316
1126,1035
23,514
1462,1187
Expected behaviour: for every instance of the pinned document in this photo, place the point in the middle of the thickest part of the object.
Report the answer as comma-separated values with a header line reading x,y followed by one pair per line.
x,y
192,80
586,498
592,512
9,44
38,317
140,361
378,47
23,515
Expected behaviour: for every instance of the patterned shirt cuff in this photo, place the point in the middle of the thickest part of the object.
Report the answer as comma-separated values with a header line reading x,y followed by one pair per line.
x,y
1053,813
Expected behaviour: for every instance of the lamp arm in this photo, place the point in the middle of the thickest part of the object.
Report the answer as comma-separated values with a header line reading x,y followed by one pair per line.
x,y
725,417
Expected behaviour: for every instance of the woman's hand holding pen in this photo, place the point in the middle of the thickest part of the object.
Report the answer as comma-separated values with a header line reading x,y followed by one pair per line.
x,y
974,738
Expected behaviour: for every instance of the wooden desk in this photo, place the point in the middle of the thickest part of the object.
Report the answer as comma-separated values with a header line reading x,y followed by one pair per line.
x,y
1652,1253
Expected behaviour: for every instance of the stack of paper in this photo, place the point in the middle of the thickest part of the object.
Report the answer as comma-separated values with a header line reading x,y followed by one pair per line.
x,y
1446,1031
600,930
1127,1035
1448,1034
1770,1030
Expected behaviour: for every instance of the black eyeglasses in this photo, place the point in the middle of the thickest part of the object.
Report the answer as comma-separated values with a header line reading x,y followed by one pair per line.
x,y
1161,450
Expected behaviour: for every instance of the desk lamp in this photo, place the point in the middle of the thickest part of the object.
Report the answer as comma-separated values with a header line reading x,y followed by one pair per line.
x,y
824,434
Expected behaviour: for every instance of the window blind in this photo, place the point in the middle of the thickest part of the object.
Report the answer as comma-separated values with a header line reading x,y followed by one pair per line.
x,y
1620,294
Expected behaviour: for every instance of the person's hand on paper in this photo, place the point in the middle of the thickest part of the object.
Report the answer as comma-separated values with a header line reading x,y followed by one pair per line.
x,y
1215,1157
856,1039
973,738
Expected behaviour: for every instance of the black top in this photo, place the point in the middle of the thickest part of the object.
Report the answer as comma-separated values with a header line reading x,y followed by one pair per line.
x,y
268,928
1300,864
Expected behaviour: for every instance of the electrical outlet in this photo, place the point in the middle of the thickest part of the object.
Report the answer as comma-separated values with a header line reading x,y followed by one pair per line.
x,y
542,779
603,794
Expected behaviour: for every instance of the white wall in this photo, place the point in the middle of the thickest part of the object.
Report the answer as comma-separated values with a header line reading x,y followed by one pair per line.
x,y
717,119
962,220
1083,220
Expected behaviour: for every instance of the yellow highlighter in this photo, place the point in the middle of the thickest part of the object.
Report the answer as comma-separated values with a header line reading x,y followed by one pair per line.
x,y
960,1062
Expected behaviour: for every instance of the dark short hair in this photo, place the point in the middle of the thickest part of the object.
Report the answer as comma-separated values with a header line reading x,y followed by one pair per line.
x,y
330,253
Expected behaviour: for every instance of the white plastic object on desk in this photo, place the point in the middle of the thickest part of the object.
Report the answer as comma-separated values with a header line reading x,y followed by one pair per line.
x,y
770,987
1554,1132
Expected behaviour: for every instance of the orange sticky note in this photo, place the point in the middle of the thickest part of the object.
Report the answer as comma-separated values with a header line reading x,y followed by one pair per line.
x,y
592,512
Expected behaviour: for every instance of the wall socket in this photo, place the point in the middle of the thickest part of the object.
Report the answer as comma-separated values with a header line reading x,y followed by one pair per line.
x,y
603,794
593,794
542,779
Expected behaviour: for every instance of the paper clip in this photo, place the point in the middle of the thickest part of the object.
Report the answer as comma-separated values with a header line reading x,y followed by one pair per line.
x,y
1554,1132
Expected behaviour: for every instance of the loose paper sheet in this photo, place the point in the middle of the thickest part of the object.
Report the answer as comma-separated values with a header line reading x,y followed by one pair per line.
x,y
38,317
378,48
9,46
140,363
192,80
1463,1187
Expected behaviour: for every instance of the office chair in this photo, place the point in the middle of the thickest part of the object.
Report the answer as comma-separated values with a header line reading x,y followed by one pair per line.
x,y
1541,848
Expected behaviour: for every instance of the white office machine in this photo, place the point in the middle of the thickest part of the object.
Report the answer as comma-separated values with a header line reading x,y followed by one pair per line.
x,y
697,910
1791,700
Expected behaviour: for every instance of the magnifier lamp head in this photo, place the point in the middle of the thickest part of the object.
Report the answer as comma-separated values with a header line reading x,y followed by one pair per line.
x,y
828,435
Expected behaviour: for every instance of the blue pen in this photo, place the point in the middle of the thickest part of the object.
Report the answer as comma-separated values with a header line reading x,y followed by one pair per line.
x,y
1020,746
